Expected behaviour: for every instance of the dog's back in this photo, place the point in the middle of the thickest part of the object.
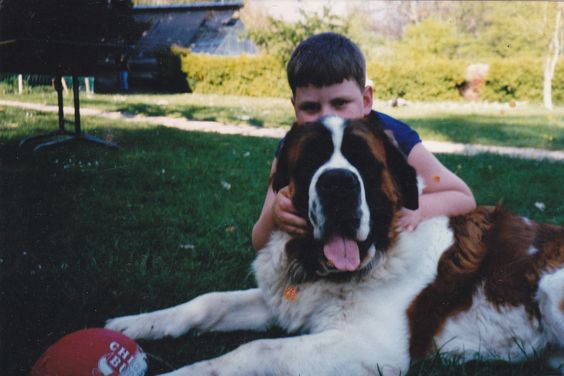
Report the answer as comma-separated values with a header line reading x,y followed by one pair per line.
x,y
499,289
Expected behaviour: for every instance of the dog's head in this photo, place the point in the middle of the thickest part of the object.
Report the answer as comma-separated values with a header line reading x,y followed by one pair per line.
x,y
349,181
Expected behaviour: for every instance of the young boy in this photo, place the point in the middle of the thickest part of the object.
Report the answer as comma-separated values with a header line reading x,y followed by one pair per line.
x,y
327,74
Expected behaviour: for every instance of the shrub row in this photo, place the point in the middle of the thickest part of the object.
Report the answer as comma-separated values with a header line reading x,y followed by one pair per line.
x,y
257,76
522,79
427,79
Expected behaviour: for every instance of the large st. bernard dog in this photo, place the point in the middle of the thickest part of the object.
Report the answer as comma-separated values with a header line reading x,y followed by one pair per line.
x,y
364,298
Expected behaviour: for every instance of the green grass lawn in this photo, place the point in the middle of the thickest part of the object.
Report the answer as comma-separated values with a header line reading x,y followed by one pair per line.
x,y
526,125
89,233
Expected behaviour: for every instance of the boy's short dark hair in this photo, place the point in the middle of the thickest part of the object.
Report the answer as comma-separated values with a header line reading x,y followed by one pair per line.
x,y
326,59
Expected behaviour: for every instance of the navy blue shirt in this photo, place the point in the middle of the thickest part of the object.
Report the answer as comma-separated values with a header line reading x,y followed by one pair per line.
x,y
404,135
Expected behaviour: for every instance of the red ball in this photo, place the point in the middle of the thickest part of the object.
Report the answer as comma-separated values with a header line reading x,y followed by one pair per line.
x,y
92,352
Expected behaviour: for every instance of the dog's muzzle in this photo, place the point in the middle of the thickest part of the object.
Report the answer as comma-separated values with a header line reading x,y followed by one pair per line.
x,y
339,192
336,212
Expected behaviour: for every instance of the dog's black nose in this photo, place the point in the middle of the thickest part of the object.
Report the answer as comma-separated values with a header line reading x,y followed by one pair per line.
x,y
338,181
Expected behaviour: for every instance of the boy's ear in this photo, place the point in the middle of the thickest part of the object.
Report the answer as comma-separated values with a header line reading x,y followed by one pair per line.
x,y
404,175
367,99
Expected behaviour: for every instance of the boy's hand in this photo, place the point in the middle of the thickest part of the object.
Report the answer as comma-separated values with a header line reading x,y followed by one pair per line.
x,y
285,215
409,219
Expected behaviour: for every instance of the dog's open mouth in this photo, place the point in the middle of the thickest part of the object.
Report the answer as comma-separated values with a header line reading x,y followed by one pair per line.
x,y
342,253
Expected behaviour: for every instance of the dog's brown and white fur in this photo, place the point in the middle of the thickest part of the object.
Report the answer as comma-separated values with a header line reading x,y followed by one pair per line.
x,y
365,298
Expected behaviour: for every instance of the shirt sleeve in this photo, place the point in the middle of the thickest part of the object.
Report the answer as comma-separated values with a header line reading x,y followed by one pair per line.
x,y
404,135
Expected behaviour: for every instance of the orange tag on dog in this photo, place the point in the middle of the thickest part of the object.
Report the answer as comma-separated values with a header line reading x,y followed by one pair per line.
x,y
291,293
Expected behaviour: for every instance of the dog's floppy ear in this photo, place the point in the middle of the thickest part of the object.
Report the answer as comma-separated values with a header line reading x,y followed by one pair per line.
x,y
404,174
281,176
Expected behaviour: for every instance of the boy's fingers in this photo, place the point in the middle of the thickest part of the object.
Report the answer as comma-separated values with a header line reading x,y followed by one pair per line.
x,y
286,219
286,214
286,205
294,221
293,224
292,230
285,191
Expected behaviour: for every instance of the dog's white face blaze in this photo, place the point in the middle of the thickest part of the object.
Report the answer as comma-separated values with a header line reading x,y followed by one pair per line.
x,y
336,126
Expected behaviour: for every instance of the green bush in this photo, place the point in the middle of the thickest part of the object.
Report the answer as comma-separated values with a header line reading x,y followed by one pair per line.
x,y
521,79
558,83
429,79
256,76
426,79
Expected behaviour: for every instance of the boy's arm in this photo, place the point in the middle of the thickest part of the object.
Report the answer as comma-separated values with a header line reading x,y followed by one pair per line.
x,y
265,224
444,192
277,212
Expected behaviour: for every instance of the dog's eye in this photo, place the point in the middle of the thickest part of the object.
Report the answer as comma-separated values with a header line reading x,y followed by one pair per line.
x,y
355,149
315,153
358,153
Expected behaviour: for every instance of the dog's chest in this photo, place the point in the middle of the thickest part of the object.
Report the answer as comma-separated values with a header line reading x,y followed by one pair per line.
x,y
305,307
381,296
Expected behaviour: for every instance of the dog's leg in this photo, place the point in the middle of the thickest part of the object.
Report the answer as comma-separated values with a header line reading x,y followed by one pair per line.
x,y
329,353
551,303
217,311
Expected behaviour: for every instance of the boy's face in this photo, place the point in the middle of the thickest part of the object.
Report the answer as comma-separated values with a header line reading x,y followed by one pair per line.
x,y
345,99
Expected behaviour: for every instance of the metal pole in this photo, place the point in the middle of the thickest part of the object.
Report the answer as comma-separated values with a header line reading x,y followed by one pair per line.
x,y
75,84
59,88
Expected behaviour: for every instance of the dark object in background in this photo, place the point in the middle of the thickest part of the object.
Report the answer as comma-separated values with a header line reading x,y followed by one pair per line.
x,y
63,36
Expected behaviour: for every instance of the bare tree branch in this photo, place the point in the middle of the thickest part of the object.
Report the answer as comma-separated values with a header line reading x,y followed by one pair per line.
x,y
551,60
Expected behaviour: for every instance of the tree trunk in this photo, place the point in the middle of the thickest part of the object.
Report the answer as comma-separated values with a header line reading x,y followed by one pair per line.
x,y
551,60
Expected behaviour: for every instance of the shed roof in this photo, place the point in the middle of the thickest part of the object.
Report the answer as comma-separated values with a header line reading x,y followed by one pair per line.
x,y
209,5
203,27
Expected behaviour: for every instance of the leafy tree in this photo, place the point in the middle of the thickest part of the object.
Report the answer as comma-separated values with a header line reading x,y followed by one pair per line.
x,y
361,31
430,38
516,30
396,16
280,38
477,30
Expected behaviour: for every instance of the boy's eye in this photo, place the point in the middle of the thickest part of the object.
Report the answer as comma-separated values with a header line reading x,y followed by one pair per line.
x,y
340,103
310,107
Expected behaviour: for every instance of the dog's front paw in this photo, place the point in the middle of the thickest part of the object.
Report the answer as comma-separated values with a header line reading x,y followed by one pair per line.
x,y
143,326
172,322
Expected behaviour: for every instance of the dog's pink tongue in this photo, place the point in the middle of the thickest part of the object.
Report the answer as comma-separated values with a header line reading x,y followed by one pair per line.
x,y
343,253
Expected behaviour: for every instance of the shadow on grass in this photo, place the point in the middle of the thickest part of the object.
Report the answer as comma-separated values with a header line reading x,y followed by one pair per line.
x,y
202,113
509,130
85,230
516,131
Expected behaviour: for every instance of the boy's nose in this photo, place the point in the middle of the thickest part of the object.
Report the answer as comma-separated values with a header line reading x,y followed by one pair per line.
x,y
327,111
